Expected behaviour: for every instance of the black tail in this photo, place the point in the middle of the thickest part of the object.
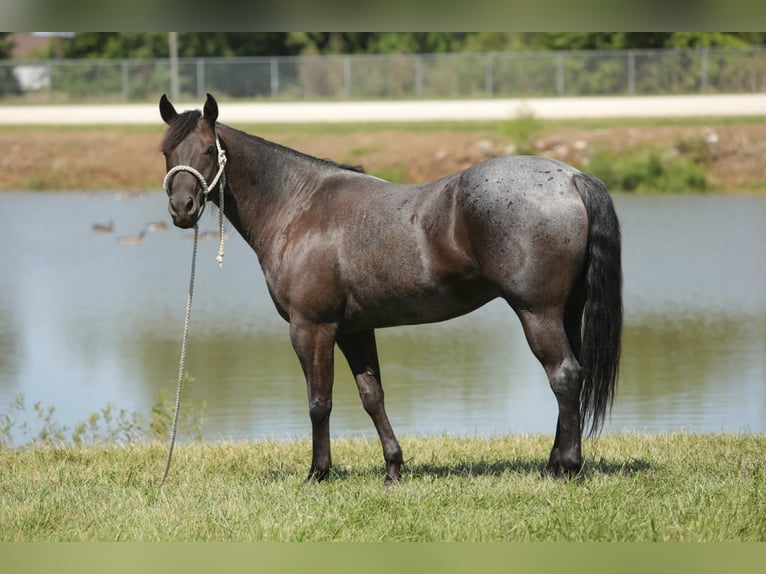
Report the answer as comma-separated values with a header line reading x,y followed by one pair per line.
x,y
602,314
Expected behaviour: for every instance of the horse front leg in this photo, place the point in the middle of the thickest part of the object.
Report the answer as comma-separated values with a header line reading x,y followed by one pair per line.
x,y
361,353
313,343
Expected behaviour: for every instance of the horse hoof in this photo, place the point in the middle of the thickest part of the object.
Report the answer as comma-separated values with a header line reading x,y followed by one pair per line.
x,y
392,480
317,476
559,471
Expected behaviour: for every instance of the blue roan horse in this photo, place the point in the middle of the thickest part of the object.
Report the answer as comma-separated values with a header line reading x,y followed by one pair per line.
x,y
344,253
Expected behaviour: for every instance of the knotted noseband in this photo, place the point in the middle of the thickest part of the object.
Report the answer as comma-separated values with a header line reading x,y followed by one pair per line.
x,y
220,178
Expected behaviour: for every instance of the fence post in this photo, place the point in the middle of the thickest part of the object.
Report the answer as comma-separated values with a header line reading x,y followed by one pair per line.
x,y
703,71
347,75
274,77
489,80
125,85
418,75
631,72
175,90
200,78
560,73
49,71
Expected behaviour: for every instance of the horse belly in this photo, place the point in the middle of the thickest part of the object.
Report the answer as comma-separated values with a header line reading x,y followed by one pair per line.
x,y
413,310
404,303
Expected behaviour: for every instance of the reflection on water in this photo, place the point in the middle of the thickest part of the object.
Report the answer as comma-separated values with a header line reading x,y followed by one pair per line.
x,y
86,321
693,372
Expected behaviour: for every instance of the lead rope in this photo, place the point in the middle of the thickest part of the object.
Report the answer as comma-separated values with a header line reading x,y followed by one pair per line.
x,y
182,365
220,178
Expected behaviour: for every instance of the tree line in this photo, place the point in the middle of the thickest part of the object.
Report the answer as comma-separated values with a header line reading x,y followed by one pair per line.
x,y
116,45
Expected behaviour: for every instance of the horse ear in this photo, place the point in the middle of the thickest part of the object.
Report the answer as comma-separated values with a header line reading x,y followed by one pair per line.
x,y
210,111
167,111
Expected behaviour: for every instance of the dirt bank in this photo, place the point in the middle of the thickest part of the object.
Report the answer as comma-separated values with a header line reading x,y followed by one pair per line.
x,y
121,158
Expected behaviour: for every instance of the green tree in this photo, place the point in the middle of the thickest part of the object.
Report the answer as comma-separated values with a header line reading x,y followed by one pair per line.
x,y
332,42
615,40
227,44
6,45
494,41
109,45
377,42
599,40
190,44
220,44
705,40
88,45
419,42
9,85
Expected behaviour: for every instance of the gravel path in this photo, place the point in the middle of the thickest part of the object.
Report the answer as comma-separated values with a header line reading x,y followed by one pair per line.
x,y
405,111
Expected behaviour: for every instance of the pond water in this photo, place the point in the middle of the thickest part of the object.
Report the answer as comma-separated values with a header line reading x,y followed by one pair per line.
x,y
86,321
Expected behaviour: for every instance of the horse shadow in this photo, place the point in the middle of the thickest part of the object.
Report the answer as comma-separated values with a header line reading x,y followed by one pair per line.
x,y
494,468
534,466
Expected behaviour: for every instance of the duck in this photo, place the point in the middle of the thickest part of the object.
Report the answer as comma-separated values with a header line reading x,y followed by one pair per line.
x,y
103,227
156,226
132,239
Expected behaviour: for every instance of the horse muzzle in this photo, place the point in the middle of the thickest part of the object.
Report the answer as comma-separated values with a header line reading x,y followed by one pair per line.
x,y
185,209
185,200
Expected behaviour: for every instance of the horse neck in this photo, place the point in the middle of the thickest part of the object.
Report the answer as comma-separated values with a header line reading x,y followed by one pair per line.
x,y
261,178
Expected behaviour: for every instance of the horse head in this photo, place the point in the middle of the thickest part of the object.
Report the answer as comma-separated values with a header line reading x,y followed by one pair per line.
x,y
189,146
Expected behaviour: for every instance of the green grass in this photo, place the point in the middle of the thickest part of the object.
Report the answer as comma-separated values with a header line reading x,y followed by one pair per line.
x,y
633,488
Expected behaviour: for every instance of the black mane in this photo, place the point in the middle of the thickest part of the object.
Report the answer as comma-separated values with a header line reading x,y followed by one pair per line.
x,y
284,149
185,123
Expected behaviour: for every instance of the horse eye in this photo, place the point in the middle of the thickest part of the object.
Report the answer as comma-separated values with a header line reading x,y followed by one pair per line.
x,y
210,150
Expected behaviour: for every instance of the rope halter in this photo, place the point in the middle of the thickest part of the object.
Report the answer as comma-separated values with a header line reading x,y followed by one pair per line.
x,y
220,178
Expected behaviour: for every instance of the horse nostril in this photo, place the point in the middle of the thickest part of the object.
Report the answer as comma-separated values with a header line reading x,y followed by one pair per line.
x,y
189,204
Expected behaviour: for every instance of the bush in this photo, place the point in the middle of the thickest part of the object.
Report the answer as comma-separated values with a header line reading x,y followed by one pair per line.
x,y
522,131
107,426
651,170
9,85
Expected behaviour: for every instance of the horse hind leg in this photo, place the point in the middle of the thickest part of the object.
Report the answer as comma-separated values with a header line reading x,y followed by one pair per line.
x,y
572,326
547,337
361,353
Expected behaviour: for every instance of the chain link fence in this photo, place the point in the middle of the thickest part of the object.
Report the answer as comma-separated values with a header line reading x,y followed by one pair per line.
x,y
365,77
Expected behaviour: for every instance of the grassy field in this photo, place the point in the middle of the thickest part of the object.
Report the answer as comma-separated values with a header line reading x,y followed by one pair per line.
x,y
633,488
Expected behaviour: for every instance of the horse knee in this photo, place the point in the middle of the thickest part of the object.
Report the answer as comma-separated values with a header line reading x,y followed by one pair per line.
x,y
370,392
319,410
371,401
